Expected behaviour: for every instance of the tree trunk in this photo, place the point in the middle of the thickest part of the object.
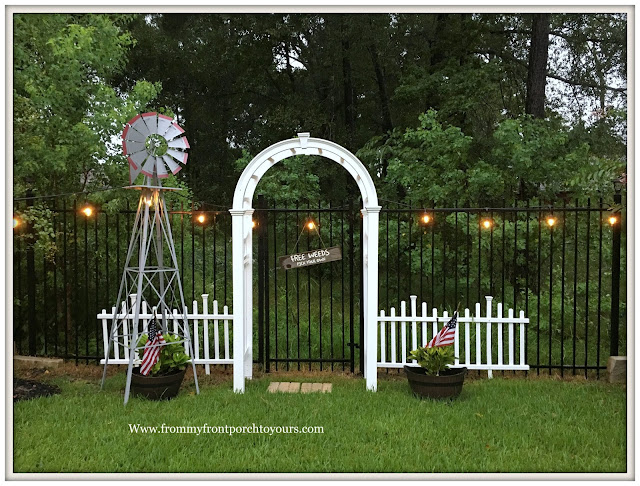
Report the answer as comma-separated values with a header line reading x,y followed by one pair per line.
x,y
537,72
387,126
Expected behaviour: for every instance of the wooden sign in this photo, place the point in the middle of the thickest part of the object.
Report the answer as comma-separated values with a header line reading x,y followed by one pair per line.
x,y
311,257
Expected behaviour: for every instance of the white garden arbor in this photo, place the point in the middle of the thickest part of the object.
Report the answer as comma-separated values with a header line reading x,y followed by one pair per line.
x,y
242,232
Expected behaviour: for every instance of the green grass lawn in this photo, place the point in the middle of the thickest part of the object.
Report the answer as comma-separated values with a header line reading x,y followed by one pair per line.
x,y
499,425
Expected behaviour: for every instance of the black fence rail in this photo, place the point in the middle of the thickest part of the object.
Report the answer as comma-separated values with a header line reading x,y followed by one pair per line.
x,y
563,265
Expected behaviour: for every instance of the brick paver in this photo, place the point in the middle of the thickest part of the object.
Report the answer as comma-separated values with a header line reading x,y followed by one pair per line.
x,y
294,387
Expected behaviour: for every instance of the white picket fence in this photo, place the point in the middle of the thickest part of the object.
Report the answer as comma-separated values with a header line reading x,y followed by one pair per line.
x,y
483,345
211,332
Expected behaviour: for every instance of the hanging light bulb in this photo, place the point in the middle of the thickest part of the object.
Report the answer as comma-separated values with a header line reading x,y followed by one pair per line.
x,y
311,225
87,211
201,219
426,219
487,223
551,221
16,222
148,201
613,220
253,223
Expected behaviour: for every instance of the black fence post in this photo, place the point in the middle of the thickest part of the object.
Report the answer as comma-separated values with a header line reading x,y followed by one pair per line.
x,y
352,339
261,282
31,280
615,276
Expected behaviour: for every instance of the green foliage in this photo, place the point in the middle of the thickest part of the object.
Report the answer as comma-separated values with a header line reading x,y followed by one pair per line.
x,y
434,163
172,356
66,113
435,359
534,156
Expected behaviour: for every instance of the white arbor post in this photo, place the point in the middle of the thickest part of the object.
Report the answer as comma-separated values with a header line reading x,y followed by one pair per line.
x,y
243,250
365,285
248,292
371,303
238,299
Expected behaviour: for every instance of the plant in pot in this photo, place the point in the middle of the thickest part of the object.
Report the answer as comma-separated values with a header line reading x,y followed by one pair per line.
x,y
433,377
165,376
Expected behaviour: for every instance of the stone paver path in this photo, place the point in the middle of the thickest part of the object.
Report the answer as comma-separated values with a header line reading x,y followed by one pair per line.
x,y
293,387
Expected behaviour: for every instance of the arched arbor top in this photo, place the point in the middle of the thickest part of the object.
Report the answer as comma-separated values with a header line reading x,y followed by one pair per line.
x,y
302,145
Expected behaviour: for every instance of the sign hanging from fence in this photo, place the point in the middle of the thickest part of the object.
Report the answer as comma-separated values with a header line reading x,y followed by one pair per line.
x,y
311,257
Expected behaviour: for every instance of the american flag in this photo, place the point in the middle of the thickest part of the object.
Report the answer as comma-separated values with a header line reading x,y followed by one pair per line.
x,y
151,349
446,335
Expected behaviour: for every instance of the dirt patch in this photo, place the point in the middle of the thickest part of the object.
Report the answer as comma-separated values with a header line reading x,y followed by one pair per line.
x,y
28,389
221,374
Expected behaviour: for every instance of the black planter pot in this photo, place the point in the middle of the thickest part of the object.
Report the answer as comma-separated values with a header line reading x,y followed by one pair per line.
x,y
156,387
447,385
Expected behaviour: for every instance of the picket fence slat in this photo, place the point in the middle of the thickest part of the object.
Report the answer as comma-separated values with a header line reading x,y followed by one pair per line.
x,y
494,359
198,320
499,334
205,337
393,336
403,330
383,344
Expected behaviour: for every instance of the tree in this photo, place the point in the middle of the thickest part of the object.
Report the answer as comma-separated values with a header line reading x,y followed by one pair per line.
x,y
66,116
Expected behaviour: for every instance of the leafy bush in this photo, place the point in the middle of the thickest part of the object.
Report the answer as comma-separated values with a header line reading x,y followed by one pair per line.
x,y
172,356
433,360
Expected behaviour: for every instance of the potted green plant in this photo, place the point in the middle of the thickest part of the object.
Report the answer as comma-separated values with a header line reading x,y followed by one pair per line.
x,y
166,375
434,378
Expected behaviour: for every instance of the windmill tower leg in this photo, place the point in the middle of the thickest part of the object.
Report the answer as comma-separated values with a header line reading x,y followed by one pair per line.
x,y
121,293
185,322
142,258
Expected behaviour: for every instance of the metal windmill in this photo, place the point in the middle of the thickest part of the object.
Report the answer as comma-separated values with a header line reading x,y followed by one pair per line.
x,y
154,146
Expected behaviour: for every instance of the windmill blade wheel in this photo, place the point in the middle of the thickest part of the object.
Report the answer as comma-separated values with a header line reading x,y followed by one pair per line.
x,y
154,145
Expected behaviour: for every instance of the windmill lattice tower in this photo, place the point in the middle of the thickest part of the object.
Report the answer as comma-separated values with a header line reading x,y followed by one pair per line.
x,y
152,144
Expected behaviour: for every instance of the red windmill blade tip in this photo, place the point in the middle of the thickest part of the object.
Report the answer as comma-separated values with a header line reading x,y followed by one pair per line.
x,y
164,117
134,119
178,127
148,114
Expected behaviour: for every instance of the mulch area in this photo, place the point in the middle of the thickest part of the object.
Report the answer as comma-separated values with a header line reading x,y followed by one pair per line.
x,y
35,382
28,389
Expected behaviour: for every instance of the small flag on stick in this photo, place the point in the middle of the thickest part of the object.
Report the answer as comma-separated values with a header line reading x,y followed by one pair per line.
x,y
447,334
151,351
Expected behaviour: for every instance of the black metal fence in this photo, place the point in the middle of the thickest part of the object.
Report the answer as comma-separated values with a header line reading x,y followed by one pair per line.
x,y
560,264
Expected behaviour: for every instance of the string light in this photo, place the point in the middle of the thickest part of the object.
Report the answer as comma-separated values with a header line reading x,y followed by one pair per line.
x,y
551,221
16,222
311,225
201,219
87,211
148,201
426,219
487,223
613,220
253,223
